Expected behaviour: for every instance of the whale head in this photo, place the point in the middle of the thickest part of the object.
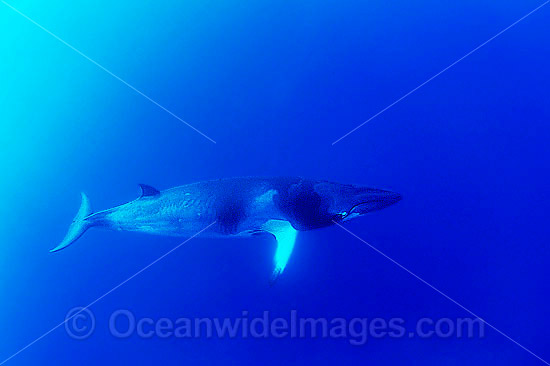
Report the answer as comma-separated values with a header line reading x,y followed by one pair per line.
x,y
314,204
350,202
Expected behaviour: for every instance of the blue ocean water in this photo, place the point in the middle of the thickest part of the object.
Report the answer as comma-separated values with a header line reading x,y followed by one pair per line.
x,y
275,85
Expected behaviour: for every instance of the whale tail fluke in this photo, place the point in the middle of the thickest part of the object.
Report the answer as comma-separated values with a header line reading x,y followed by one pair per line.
x,y
78,226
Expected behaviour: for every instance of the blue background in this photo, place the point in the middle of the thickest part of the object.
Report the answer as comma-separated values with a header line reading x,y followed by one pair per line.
x,y
275,85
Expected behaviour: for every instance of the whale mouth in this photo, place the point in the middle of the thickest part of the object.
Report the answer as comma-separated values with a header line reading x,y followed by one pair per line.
x,y
375,201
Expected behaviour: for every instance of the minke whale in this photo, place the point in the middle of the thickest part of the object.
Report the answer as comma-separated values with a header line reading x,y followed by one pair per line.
x,y
236,207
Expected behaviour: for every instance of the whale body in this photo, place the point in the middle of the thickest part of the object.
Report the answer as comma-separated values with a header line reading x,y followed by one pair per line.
x,y
236,207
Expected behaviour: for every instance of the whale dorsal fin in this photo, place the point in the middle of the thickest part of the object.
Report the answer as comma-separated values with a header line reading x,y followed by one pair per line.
x,y
147,191
285,235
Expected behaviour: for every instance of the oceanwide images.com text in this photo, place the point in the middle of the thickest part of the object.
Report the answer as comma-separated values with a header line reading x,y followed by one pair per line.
x,y
80,323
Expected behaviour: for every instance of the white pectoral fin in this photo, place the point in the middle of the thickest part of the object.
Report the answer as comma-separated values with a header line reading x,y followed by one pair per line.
x,y
285,235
